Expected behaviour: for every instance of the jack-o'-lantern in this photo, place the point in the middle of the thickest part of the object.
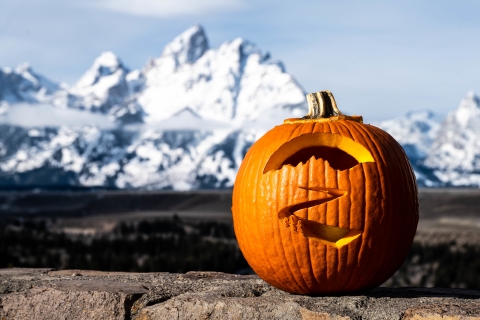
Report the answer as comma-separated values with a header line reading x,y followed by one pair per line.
x,y
325,203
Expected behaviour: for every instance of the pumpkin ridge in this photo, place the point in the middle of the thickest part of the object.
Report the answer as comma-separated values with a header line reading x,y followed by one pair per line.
x,y
345,213
291,270
387,208
304,178
273,179
247,232
265,252
406,230
293,233
340,128
251,158
411,175
288,270
359,134
313,246
313,281
355,136
320,214
341,257
405,234
331,253
310,247
345,132
355,247
330,267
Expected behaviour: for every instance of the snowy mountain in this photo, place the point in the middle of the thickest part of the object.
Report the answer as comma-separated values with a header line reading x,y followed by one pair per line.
x,y
416,132
233,83
107,87
455,153
23,85
185,113
442,153
186,120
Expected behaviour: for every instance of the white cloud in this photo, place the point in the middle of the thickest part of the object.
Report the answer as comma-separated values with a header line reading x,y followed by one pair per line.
x,y
186,120
166,8
26,115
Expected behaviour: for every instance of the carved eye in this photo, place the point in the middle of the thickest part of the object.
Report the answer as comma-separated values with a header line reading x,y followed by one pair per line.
x,y
341,153
338,159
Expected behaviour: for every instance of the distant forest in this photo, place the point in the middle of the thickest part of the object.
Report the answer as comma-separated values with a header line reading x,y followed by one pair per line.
x,y
174,245
164,245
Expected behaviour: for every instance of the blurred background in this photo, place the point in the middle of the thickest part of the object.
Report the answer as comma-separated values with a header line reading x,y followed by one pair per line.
x,y
123,123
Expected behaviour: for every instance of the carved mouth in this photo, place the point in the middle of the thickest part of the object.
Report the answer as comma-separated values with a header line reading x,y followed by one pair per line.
x,y
329,235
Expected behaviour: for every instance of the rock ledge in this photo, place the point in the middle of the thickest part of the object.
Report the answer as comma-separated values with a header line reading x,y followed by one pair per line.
x,y
79,294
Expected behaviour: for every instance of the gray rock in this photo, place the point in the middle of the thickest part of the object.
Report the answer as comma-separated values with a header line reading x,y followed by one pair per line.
x,y
80,294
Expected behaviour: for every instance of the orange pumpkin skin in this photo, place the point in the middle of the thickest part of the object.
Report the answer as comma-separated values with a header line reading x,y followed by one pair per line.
x,y
379,202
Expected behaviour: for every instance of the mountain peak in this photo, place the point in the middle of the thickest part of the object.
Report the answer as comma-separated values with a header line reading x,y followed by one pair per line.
x,y
23,68
108,59
24,85
106,64
231,83
468,109
188,47
470,101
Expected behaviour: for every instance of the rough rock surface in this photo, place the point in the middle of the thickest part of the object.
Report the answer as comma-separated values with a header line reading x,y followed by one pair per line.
x,y
77,294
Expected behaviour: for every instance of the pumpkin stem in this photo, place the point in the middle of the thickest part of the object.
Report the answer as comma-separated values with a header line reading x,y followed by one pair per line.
x,y
321,108
322,105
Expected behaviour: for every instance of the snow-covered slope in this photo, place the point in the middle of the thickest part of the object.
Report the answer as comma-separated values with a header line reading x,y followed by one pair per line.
x,y
152,159
415,131
23,85
442,153
455,153
107,87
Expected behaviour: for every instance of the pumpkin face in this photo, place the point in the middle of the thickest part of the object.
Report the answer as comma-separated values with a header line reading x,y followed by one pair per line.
x,y
325,206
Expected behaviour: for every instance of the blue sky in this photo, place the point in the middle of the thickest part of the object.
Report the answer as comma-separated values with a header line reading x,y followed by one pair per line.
x,y
380,58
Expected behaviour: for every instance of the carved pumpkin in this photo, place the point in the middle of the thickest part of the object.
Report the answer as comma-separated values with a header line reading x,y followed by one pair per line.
x,y
325,203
